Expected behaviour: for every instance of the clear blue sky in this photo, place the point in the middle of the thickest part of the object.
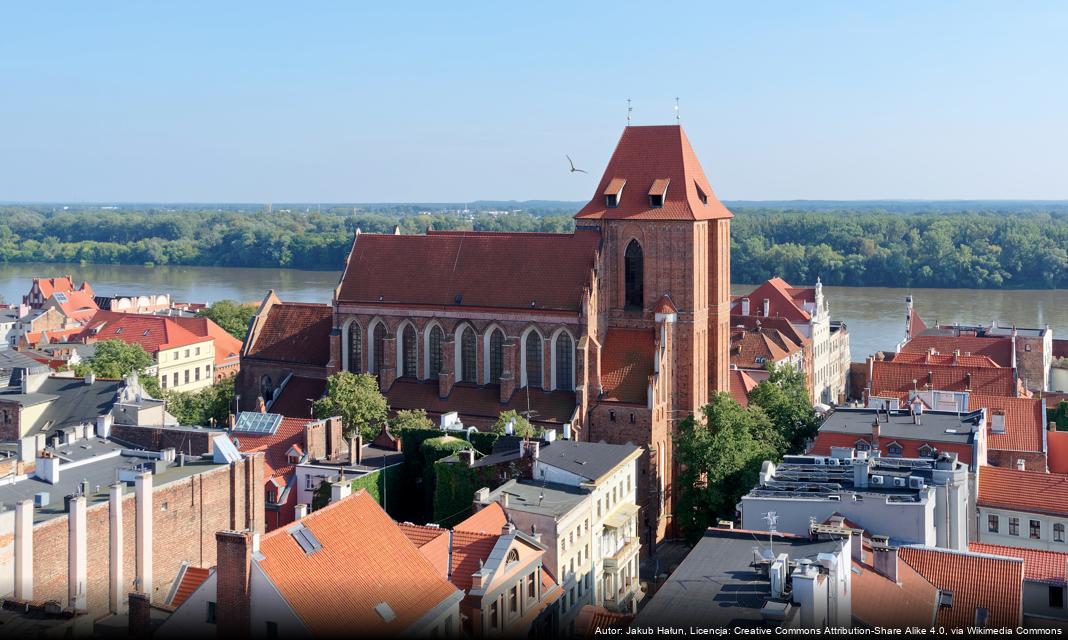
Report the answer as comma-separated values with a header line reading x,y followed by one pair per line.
x,y
451,101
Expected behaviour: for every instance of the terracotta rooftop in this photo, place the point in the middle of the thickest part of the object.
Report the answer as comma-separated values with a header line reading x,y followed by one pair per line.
x,y
153,333
778,323
227,347
528,271
1027,491
977,581
1050,567
645,157
906,357
63,284
488,519
78,305
627,364
275,446
189,581
998,349
753,348
784,301
296,398
1024,422
741,384
880,602
553,407
1057,454
469,552
433,543
328,596
895,379
295,332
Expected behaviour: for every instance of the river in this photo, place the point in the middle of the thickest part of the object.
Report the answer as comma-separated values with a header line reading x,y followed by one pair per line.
x,y
875,315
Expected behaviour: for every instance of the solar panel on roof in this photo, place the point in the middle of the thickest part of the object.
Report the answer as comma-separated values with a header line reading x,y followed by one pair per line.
x,y
257,423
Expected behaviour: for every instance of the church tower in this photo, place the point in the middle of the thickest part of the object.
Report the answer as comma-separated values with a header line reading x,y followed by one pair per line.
x,y
665,235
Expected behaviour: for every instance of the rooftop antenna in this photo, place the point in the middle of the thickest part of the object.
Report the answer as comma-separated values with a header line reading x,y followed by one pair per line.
x,y
771,518
629,109
677,117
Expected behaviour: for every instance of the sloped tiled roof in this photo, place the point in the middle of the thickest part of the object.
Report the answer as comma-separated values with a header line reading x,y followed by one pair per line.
x,y
880,602
778,323
528,271
488,519
469,551
626,364
753,348
553,407
297,396
976,581
329,596
643,156
227,347
48,286
190,580
906,357
894,379
78,305
433,543
295,332
1028,491
1057,455
1023,422
783,302
998,349
1050,567
741,384
275,446
153,333
592,621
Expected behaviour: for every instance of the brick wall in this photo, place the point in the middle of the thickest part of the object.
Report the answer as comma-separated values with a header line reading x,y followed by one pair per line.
x,y
192,441
186,514
1031,364
9,420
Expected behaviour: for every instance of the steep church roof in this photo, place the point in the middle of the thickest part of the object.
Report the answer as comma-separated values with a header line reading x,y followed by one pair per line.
x,y
649,163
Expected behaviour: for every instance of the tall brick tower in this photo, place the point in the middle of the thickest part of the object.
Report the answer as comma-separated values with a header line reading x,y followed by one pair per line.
x,y
666,234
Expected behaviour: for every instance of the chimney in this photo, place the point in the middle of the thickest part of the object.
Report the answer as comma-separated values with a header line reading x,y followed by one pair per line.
x,y
767,307
503,499
139,623
24,550
968,381
143,534
467,457
567,431
339,490
116,562
481,498
531,448
231,422
233,586
884,557
300,511
356,450
875,434
1021,464
90,378
261,405
77,555
745,306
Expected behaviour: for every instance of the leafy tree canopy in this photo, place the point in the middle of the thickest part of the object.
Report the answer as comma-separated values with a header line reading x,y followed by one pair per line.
x,y
356,398
410,419
116,359
233,317
204,406
522,426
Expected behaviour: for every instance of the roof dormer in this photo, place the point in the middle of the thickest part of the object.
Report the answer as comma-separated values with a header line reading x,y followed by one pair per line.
x,y
613,192
658,192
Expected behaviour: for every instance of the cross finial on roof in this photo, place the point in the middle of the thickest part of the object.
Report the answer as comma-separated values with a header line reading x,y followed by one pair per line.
x,y
629,109
677,117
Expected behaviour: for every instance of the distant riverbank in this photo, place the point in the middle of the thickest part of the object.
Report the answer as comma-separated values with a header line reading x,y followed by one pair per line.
x,y
874,315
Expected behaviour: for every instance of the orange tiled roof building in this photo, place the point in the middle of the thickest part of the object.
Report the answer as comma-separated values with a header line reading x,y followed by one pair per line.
x,y
615,329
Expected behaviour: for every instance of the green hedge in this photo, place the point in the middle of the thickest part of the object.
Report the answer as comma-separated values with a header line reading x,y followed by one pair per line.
x,y
389,481
455,486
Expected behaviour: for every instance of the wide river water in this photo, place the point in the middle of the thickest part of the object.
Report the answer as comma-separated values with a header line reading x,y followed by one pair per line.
x,y
875,315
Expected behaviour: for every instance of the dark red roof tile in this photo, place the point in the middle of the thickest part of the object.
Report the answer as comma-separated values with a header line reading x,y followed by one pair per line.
x,y
295,332
627,364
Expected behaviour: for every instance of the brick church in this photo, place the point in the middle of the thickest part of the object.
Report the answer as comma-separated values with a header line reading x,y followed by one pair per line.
x,y
619,329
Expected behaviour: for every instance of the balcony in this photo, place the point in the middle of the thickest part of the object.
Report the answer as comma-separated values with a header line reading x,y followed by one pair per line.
x,y
622,555
626,598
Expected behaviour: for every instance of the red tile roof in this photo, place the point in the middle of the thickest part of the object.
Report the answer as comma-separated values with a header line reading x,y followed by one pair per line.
x,y
943,358
433,543
227,347
469,552
153,333
894,379
916,323
741,384
190,580
49,286
1050,567
643,156
329,596
488,519
296,332
783,301
780,324
976,581
752,348
665,305
1057,454
529,271
591,619
33,338
998,349
880,602
296,398
627,364
1028,491
480,403
275,446
78,305
1023,422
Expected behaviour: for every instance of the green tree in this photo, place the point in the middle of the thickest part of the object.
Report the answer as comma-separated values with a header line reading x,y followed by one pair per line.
x,y
522,426
785,398
356,398
203,406
720,455
115,359
232,316
410,419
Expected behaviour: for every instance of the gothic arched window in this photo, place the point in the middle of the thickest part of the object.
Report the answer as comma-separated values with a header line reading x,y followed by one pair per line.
x,y
411,364
434,351
534,357
564,362
496,356
355,347
467,356
378,337
633,277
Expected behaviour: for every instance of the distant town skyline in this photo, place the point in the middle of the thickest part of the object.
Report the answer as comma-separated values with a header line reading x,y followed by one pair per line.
x,y
270,102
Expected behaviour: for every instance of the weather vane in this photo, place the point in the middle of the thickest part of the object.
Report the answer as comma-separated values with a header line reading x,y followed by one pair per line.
x,y
677,118
629,109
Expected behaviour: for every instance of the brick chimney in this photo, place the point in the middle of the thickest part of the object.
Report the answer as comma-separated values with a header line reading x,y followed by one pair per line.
x,y
875,434
356,450
300,511
233,586
139,622
884,557
467,457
